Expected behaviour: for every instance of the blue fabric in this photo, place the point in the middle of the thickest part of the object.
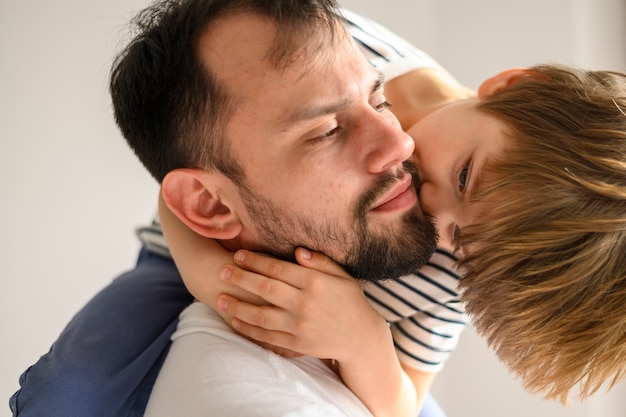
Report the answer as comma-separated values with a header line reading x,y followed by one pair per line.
x,y
106,360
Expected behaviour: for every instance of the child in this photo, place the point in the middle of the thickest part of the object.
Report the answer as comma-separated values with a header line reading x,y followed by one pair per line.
x,y
528,182
545,269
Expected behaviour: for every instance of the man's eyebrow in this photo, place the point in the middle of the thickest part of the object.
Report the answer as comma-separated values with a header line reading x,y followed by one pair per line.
x,y
312,112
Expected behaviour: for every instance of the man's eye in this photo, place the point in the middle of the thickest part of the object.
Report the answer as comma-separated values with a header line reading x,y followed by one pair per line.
x,y
463,173
328,135
382,106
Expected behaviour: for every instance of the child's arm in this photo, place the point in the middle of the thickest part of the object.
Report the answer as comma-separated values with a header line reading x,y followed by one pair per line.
x,y
323,312
199,261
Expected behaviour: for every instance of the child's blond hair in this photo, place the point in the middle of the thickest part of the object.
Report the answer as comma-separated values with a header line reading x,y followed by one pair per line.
x,y
545,281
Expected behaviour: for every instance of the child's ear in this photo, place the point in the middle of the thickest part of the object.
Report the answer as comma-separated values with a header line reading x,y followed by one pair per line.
x,y
502,80
193,196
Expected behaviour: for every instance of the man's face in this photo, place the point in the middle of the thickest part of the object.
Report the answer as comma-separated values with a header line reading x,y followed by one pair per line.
x,y
324,159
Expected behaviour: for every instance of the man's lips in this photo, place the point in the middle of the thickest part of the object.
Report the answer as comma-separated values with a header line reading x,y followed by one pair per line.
x,y
401,196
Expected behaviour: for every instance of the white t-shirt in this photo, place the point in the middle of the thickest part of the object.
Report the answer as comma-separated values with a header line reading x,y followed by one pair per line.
x,y
210,371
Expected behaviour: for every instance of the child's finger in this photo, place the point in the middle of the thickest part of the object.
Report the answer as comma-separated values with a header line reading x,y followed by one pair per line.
x,y
262,317
271,267
272,290
319,262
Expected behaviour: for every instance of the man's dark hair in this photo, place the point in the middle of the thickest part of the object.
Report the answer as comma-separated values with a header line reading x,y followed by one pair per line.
x,y
169,105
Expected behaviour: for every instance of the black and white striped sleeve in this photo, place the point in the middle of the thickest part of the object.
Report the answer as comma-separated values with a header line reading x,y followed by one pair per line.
x,y
424,311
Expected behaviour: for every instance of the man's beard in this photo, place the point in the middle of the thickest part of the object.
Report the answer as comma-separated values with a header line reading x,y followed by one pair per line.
x,y
367,256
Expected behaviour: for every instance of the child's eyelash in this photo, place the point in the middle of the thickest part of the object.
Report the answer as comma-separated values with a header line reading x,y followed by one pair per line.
x,y
464,175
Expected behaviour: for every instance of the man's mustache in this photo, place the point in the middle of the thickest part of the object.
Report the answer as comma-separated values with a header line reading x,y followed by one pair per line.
x,y
384,183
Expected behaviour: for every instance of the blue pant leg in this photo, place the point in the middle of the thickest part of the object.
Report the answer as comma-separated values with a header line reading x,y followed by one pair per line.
x,y
431,408
106,360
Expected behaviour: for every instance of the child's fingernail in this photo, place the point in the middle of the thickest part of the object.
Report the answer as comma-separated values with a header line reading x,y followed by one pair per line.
x,y
225,273
306,254
222,303
239,256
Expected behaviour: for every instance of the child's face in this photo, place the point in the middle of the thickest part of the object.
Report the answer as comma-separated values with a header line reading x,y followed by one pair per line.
x,y
451,146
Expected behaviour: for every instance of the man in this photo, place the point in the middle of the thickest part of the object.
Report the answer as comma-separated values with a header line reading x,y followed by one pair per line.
x,y
200,97
320,164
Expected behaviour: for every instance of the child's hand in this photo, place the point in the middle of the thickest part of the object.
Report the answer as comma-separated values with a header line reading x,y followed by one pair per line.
x,y
316,309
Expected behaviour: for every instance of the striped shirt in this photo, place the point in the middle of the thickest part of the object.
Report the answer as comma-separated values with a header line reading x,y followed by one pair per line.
x,y
423,310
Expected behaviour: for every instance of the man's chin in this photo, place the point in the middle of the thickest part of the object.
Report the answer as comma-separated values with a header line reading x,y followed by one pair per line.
x,y
393,249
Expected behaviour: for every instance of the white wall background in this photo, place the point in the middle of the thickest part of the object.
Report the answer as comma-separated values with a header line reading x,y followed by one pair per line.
x,y
72,192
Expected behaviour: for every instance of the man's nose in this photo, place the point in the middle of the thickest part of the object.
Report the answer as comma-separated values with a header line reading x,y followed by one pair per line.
x,y
387,145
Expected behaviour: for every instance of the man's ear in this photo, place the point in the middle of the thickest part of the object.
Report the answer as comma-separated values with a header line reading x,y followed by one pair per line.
x,y
193,195
502,80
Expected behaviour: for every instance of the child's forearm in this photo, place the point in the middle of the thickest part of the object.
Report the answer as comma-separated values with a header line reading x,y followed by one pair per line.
x,y
199,261
376,376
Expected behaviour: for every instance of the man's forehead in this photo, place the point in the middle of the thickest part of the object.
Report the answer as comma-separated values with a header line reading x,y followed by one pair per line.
x,y
304,94
235,50
237,39
277,100
304,110
233,42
